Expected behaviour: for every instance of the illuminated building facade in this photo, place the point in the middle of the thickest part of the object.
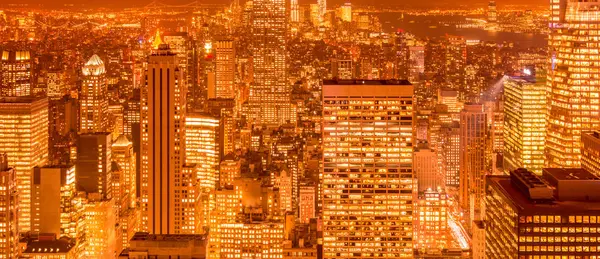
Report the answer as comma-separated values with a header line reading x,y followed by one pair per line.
x,y
229,169
294,11
426,169
94,157
51,249
184,48
100,222
524,124
590,152
449,153
368,131
123,155
9,205
492,15
345,12
93,101
456,59
270,92
26,147
431,221
163,141
201,147
307,203
16,73
473,137
526,218
252,240
53,201
225,68
573,92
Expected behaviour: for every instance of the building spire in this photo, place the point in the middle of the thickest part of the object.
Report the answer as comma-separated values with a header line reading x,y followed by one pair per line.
x,y
157,40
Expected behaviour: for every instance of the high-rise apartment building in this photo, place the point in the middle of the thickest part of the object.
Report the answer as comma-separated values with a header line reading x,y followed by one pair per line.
x,y
367,137
27,147
473,169
554,216
93,101
9,205
573,94
225,68
524,124
270,92
94,157
164,176
16,73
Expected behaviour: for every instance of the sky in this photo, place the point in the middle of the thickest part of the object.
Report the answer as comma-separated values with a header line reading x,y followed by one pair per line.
x,y
414,3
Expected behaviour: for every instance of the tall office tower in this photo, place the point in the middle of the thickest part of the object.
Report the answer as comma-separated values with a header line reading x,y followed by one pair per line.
x,y
590,152
456,59
229,199
184,47
524,124
93,101
16,73
492,16
27,147
449,152
123,155
307,205
94,157
9,204
53,201
473,136
426,170
380,147
573,96
163,141
294,11
202,148
555,218
100,221
270,93
431,221
225,69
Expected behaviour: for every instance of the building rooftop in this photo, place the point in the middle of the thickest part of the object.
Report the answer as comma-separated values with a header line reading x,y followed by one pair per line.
x,y
144,236
570,174
48,246
524,204
364,82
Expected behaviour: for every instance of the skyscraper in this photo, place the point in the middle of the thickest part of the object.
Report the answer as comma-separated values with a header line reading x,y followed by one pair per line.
x,y
556,218
163,140
9,205
16,71
93,107
202,147
94,157
27,147
473,136
524,124
225,69
270,92
573,93
367,168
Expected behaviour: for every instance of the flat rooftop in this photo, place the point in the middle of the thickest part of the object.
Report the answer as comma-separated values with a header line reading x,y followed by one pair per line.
x,y
523,204
571,174
143,236
48,247
364,82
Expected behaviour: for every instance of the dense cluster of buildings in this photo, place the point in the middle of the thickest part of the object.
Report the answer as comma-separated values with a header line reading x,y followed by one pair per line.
x,y
273,129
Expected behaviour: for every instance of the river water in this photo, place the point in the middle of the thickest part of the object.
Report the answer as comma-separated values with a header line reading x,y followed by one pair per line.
x,y
435,26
